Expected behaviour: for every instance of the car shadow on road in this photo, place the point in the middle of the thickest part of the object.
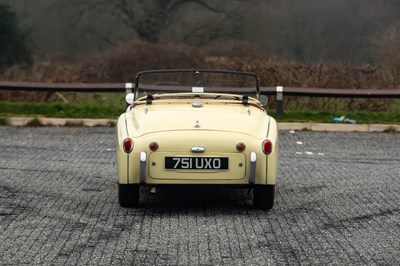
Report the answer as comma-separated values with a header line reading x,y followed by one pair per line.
x,y
196,197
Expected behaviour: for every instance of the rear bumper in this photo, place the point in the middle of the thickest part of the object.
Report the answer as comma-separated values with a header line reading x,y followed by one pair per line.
x,y
236,175
137,167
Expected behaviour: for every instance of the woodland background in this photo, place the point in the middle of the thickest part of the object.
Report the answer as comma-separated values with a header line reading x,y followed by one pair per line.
x,y
303,43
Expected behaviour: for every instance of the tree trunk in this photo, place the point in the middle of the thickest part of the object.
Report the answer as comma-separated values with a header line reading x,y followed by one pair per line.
x,y
154,21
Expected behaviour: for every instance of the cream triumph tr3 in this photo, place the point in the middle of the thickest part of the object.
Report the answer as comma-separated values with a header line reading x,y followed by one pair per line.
x,y
196,127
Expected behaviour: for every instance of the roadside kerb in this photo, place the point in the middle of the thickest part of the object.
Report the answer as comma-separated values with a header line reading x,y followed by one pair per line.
x,y
86,122
283,126
331,127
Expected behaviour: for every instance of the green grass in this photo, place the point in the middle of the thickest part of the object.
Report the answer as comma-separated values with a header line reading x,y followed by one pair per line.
x,y
68,110
3,121
361,117
35,122
60,110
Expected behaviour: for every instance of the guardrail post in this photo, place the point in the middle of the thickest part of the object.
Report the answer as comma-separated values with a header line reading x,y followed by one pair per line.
x,y
279,101
128,89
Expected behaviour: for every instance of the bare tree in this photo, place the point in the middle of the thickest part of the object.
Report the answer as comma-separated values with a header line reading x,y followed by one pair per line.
x,y
149,18
303,30
387,46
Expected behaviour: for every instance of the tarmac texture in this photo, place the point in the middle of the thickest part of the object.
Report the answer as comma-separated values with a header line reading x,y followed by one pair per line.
x,y
337,202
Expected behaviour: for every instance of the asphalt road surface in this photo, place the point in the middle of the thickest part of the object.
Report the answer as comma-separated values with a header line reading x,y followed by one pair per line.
x,y
337,202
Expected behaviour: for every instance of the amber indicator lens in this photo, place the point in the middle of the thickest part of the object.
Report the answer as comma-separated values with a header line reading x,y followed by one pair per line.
x,y
128,145
153,146
240,146
267,147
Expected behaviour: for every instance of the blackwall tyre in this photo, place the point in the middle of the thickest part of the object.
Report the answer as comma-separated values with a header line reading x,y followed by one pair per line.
x,y
128,195
263,197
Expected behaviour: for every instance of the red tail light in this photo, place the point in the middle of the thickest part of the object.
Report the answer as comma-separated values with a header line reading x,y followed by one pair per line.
x,y
240,146
128,145
267,147
153,146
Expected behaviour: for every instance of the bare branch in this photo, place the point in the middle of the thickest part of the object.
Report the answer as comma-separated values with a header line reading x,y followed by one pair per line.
x,y
102,37
179,4
82,7
211,31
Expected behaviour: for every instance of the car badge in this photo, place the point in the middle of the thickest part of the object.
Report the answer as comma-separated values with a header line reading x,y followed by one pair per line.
x,y
198,149
197,125
197,104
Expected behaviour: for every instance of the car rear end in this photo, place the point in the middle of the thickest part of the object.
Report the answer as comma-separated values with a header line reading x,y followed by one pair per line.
x,y
201,137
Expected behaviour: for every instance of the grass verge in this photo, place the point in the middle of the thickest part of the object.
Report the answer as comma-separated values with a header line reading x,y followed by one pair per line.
x,y
35,122
3,121
361,117
60,110
63,110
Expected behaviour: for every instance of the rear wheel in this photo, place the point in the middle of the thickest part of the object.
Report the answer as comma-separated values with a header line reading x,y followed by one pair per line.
x,y
128,195
263,197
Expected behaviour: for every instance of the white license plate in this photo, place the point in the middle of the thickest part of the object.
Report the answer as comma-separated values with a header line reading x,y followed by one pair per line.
x,y
196,163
